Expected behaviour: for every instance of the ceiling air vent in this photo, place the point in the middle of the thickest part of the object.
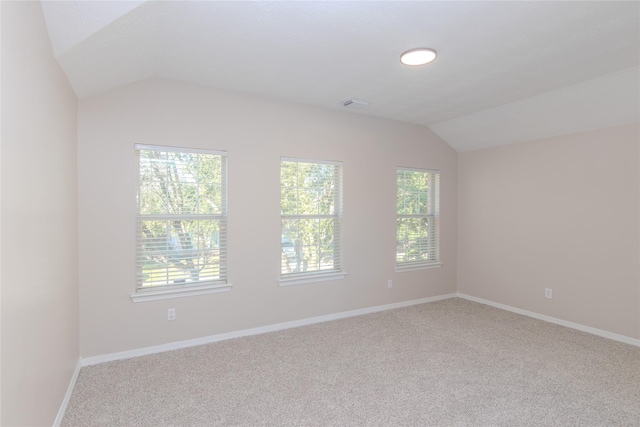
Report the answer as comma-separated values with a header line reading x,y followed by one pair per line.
x,y
354,103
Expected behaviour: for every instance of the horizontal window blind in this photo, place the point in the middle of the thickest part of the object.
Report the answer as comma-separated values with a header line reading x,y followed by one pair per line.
x,y
182,217
311,212
418,217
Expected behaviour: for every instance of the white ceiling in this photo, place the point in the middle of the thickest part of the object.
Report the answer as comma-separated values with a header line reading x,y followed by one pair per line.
x,y
506,71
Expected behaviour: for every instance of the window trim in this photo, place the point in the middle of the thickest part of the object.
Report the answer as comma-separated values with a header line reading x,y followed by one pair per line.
x,y
418,266
204,287
312,277
190,291
435,203
319,275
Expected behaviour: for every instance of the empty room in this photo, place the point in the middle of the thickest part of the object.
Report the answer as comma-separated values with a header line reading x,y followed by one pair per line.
x,y
314,213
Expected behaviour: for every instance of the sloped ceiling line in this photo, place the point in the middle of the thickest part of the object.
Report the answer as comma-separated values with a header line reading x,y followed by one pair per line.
x,y
506,71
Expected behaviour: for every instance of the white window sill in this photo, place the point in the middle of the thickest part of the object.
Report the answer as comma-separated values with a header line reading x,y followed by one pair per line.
x,y
320,277
153,295
412,267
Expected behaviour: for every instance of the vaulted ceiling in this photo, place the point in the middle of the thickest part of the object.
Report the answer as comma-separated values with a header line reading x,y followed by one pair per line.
x,y
506,71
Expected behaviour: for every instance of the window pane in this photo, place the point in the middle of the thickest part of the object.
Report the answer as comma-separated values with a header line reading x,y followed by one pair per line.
x,y
412,239
308,188
423,203
183,197
153,178
176,250
289,174
289,200
307,245
180,183
309,204
152,199
417,221
179,251
413,193
210,185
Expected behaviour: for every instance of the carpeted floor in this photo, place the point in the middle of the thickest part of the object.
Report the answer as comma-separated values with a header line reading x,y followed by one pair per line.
x,y
447,363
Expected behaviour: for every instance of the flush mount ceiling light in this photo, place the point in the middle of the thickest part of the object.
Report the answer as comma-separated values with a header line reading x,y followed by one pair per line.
x,y
418,56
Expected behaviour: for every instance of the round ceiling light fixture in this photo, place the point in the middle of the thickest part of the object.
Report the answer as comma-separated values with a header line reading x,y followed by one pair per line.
x,y
419,56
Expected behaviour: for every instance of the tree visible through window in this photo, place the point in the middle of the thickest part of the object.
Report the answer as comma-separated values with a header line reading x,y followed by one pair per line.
x,y
417,218
181,225
311,208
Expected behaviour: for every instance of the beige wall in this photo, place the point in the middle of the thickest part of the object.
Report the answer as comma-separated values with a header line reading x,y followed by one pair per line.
x,y
39,276
560,213
255,132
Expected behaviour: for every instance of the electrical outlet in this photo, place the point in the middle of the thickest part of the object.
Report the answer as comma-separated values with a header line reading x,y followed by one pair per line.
x,y
390,284
548,293
171,314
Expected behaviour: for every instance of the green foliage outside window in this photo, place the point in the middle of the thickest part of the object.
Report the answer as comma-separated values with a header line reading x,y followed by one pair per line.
x,y
310,208
181,218
417,216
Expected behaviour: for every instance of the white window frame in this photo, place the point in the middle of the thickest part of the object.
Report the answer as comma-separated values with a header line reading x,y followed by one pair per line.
x,y
166,291
432,217
321,275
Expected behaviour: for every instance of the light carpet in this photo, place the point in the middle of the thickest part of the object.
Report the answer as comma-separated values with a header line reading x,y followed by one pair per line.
x,y
447,363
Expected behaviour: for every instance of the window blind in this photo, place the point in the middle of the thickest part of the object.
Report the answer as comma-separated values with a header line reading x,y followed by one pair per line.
x,y
418,217
311,212
182,217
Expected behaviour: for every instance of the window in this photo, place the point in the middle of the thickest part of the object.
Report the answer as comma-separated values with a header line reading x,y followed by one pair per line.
x,y
311,210
182,220
417,218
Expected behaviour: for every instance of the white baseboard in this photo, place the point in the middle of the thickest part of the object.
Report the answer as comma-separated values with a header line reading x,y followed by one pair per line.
x,y
254,331
583,328
67,396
